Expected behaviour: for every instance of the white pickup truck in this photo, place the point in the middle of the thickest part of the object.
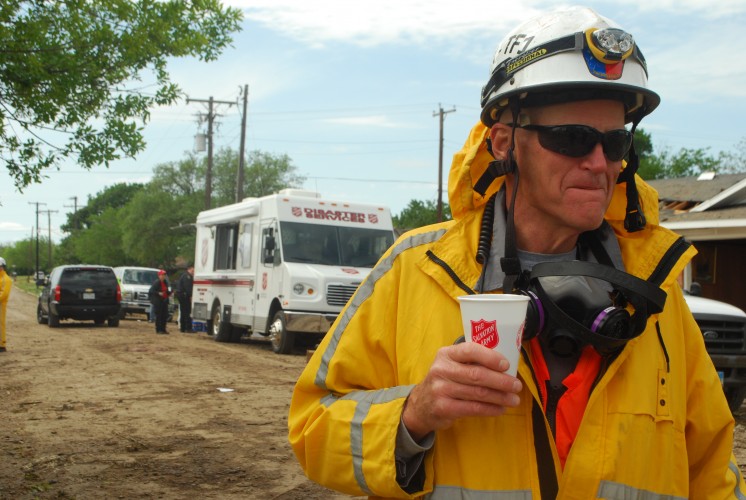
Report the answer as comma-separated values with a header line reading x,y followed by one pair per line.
x,y
724,329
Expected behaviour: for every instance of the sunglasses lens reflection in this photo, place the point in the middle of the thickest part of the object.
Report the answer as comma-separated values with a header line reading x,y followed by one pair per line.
x,y
579,140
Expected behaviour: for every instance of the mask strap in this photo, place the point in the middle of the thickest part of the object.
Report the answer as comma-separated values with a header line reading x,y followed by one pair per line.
x,y
510,263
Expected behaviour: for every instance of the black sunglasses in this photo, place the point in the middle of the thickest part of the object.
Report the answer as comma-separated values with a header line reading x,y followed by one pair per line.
x,y
577,141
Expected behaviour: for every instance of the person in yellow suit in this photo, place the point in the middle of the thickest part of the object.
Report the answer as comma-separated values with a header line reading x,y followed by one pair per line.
x,y
5,285
615,395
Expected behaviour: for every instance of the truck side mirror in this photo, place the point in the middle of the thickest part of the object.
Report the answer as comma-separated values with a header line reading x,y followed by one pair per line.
x,y
268,256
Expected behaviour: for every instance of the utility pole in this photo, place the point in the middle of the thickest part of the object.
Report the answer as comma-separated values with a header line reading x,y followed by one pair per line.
x,y
210,118
441,113
36,272
49,235
239,176
75,209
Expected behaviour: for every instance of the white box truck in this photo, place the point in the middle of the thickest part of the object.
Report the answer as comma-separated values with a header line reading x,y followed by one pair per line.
x,y
283,265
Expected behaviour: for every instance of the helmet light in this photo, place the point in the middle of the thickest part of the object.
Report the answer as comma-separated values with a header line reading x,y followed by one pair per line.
x,y
610,45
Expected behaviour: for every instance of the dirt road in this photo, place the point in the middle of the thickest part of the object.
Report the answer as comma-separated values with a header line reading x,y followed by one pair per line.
x,y
95,412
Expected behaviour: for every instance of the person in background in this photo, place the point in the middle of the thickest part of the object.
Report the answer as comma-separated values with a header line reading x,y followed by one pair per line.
x,y
6,283
184,286
617,402
159,294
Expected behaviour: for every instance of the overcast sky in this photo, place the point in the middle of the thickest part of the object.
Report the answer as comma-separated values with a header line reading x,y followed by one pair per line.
x,y
350,90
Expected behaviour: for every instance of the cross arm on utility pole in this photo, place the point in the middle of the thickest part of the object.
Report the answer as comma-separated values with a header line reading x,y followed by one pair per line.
x,y
210,118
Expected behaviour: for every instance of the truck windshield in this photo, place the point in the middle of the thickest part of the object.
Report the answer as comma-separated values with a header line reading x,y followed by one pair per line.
x,y
139,276
332,245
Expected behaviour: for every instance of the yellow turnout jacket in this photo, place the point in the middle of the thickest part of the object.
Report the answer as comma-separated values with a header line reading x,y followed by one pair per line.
x,y
656,426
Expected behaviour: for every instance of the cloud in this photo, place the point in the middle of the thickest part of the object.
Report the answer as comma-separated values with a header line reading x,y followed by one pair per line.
x,y
385,21
367,121
11,226
438,21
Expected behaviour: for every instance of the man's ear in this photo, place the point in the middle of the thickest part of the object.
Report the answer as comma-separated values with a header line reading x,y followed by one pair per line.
x,y
500,137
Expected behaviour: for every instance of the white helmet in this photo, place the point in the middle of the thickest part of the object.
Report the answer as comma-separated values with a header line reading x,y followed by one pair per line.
x,y
2,262
568,55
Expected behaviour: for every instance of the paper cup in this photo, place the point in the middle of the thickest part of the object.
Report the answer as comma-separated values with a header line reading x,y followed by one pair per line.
x,y
496,321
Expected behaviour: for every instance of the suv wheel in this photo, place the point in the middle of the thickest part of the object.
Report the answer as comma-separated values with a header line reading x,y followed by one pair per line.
x,y
40,315
53,320
113,322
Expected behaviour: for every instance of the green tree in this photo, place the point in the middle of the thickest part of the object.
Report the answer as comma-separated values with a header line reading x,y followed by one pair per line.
x,y
419,213
72,72
734,162
267,174
151,220
264,174
21,256
101,243
115,196
665,164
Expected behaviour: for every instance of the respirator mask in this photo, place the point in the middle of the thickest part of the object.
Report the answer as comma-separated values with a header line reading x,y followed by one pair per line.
x,y
575,303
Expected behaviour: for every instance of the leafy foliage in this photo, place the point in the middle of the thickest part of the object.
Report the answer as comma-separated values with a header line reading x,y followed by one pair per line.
x,y
420,213
116,196
734,162
686,162
70,73
153,224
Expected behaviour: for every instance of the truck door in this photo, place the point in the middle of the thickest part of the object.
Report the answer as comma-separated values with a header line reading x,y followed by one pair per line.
x,y
269,273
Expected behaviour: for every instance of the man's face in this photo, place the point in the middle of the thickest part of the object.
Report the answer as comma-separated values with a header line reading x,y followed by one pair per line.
x,y
560,197
190,270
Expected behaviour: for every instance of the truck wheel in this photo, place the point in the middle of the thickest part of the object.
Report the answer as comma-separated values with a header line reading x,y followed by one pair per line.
x,y
53,320
113,322
282,340
210,325
40,315
220,328
735,397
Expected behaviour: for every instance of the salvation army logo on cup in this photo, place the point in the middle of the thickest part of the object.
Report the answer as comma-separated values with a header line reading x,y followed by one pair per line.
x,y
485,333
495,321
519,335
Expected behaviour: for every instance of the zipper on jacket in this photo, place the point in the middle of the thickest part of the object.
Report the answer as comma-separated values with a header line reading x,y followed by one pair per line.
x,y
450,273
670,258
554,394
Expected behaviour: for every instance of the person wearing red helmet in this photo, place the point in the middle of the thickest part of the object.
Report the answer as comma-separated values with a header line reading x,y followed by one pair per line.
x,y
159,294
615,396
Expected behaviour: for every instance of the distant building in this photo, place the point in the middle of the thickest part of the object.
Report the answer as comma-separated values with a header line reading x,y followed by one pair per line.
x,y
710,211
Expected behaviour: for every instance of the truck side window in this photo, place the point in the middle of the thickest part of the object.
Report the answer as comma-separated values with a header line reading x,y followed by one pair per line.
x,y
226,239
270,255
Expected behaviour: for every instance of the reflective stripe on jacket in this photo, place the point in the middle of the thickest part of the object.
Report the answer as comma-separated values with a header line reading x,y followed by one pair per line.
x,y
657,425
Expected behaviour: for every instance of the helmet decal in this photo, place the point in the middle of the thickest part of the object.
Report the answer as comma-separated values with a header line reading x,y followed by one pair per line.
x,y
600,69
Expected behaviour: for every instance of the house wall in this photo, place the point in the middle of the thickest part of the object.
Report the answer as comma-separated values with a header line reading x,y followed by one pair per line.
x,y
719,268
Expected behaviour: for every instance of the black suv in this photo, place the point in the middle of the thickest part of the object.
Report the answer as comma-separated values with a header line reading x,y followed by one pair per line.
x,y
80,292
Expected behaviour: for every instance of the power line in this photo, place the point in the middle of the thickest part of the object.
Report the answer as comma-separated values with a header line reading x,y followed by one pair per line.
x,y
350,179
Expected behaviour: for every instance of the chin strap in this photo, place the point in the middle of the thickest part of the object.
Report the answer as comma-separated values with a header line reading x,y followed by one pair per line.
x,y
496,168
634,220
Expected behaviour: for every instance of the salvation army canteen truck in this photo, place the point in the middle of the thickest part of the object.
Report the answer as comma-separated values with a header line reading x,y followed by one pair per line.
x,y
283,265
